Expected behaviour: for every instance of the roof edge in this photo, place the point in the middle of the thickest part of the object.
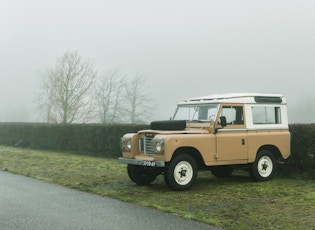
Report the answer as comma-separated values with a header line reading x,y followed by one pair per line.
x,y
234,95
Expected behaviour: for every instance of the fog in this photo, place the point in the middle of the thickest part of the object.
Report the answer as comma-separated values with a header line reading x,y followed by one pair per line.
x,y
182,48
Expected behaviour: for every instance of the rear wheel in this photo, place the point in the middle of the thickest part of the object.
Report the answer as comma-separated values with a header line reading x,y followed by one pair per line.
x,y
181,173
264,167
141,175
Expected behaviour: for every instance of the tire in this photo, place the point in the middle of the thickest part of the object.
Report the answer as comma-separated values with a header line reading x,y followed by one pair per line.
x,y
181,173
222,171
264,167
141,175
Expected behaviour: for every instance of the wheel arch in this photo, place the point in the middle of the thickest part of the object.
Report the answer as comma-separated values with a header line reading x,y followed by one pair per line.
x,y
274,150
193,152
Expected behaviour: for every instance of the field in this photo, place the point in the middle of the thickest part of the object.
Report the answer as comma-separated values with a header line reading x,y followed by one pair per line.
x,y
232,203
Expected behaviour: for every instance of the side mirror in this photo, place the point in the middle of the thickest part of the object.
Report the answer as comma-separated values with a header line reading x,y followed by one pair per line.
x,y
223,121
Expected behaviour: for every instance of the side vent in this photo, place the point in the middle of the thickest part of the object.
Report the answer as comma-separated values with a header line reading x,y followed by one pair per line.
x,y
275,100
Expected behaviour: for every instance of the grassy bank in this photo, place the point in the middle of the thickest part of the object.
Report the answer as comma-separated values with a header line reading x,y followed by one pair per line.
x,y
232,203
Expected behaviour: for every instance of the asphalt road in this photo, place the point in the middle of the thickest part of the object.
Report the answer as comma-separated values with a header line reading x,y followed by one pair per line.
x,y
26,203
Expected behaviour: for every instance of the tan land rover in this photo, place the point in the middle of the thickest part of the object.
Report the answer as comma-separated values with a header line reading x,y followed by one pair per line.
x,y
218,133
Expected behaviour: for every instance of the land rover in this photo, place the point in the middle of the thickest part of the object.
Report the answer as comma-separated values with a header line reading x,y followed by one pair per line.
x,y
218,133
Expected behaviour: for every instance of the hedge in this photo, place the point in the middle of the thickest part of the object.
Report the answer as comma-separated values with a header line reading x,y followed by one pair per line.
x,y
104,141
302,159
89,139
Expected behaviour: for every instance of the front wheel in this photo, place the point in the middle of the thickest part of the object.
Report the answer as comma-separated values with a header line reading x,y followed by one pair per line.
x,y
264,167
141,175
181,173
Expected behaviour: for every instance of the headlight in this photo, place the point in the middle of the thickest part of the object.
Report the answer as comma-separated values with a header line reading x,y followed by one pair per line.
x,y
159,145
126,143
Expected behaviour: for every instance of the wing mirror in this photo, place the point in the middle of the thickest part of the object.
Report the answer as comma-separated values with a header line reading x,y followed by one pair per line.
x,y
223,121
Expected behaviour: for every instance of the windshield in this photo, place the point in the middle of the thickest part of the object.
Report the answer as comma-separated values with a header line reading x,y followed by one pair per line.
x,y
201,112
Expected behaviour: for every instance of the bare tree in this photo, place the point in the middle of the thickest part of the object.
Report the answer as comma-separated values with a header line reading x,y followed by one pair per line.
x,y
123,100
139,104
110,97
67,92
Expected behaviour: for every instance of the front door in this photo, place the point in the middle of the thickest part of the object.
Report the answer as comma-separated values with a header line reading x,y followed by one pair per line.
x,y
232,139
231,145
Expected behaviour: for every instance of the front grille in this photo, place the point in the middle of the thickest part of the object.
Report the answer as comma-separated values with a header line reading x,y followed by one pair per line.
x,y
146,144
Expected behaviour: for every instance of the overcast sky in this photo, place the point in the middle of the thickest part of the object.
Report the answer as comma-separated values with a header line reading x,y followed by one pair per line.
x,y
183,48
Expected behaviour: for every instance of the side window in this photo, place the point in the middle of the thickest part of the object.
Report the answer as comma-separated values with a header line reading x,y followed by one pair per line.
x,y
266,115
233,114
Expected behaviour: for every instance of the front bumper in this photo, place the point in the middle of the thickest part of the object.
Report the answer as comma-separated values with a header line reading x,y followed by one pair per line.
x,y
146,163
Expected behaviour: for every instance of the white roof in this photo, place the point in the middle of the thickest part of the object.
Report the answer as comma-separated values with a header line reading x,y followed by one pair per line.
x,y
235,98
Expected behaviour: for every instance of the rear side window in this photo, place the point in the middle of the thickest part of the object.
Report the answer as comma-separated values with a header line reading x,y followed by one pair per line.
x,y
266,115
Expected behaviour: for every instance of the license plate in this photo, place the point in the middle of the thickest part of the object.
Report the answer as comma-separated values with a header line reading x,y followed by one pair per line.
x,y
149,163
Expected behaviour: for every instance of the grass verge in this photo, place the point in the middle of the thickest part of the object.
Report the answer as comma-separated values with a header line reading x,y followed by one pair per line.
x,y
232,203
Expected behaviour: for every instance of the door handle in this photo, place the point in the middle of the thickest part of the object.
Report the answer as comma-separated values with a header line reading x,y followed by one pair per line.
x,y
243,141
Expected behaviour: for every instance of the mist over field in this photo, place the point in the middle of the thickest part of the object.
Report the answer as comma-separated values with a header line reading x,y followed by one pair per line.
x,y
183,49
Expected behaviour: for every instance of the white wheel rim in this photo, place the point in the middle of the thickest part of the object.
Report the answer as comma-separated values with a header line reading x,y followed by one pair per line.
x,y
183,173
265,166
